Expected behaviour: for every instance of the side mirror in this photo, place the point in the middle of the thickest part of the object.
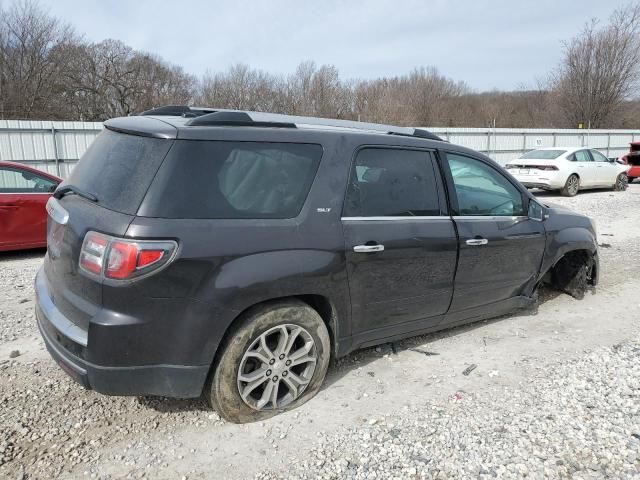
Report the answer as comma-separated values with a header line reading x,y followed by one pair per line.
x,y
537,212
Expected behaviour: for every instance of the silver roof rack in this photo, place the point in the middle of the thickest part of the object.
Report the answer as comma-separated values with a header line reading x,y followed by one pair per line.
x,y
203,116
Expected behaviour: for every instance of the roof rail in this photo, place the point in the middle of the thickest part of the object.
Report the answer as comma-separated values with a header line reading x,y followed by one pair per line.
x,y
178,111
233,118
222,117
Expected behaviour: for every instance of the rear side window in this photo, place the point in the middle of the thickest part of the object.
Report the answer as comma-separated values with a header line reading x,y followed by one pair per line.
x,y
581,156
543,154
24,181
118,169
388,182
218,179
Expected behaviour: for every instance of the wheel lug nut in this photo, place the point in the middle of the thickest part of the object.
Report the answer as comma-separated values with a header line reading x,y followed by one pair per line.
x,y
272,361
284,374
268,372
275,379
287,363
281,356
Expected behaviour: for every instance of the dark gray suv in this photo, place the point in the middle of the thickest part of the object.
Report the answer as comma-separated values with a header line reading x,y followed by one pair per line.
x,y
231,254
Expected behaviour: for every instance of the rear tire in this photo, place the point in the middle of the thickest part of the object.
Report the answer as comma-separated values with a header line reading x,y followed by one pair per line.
x,y
571,186
630,180
622,182
257,347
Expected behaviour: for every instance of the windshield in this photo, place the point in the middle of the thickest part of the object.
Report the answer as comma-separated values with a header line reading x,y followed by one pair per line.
x,y
118,169
543,154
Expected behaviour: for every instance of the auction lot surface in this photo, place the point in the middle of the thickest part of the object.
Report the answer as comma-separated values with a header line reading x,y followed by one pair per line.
x,y
554,394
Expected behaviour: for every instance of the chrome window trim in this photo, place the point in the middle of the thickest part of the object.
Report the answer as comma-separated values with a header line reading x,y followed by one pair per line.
x,y
391,218
492,218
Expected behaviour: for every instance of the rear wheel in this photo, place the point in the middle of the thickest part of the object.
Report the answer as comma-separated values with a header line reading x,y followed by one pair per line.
x,y
275,360
622,182
571,186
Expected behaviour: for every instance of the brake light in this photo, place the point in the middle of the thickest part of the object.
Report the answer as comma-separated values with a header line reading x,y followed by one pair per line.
x,y
92,253
122,259
546,167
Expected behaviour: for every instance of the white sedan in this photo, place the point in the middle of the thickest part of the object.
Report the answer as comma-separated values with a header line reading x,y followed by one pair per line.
x,y
568,170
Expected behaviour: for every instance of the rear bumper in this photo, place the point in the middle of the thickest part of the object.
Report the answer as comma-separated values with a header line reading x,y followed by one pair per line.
x,y
67,342
546,180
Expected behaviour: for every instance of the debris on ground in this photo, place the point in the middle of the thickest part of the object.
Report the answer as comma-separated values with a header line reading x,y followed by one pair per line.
x,y
14,354
469,369
423,352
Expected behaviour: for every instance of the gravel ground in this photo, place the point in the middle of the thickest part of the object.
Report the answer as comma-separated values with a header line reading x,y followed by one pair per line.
x,y
569,420
553,394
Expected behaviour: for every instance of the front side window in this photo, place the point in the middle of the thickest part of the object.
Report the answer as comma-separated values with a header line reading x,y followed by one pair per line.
x,y
598,157
220,179
23,181
482,190
388,182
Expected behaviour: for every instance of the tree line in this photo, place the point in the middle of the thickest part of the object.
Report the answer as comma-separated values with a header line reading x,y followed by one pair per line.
x,y
48,71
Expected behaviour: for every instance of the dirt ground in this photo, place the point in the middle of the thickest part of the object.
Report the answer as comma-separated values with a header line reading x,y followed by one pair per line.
x,y
51,427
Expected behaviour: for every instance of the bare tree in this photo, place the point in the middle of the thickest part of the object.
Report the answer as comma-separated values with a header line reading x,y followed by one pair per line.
x,y
600,69
31,42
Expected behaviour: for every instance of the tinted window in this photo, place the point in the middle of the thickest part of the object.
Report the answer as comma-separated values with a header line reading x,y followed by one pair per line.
x,y
391,182
212,179
598,157
544,154
23,181
118,169
483,190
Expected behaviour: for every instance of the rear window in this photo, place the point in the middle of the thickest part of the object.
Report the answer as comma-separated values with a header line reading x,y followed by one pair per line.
x,y
216,179
543,154
118,169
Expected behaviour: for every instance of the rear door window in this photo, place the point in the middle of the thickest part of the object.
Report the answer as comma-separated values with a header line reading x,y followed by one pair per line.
x,y
220,179
388,182
118,169
582,156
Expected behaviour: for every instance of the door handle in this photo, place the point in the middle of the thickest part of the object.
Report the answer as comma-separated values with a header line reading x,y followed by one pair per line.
x,y
477,241
368,248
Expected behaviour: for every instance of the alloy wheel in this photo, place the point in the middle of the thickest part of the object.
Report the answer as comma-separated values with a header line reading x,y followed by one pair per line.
x,y
277,367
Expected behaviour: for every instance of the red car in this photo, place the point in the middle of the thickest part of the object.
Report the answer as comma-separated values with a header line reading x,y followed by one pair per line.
x,y
24,192
633,160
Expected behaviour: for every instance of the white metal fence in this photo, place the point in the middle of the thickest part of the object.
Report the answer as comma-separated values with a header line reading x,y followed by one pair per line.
x,y
56,146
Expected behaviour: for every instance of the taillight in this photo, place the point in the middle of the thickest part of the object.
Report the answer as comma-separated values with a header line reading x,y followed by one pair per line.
x,y
122,259
546,167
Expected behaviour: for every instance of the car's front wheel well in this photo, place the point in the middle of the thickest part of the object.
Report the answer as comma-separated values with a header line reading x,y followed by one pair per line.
x,y
574,273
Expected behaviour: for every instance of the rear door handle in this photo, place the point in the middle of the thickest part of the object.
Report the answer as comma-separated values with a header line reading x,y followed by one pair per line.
x,y
477,241
368,248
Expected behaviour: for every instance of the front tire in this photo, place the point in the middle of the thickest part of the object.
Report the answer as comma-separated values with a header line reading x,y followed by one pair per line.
x,y
622,182
273,361
571,186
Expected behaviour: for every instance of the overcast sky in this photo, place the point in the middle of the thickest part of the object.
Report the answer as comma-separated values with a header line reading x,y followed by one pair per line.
x,y
488,44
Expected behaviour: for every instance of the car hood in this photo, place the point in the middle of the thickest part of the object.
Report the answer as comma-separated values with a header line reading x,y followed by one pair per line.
x,y
562,217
